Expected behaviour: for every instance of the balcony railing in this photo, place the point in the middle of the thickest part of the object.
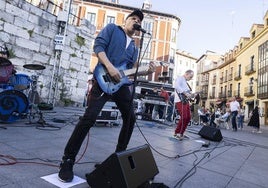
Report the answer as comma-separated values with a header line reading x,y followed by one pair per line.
x,y
237,76
250,69
221,80
230,77
204,95
214,81
249,91
229,93
237,93
204,82
222,95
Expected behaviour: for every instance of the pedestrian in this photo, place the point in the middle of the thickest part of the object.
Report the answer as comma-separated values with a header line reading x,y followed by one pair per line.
x,y
254,120
182,97
235,108
114,46
240,118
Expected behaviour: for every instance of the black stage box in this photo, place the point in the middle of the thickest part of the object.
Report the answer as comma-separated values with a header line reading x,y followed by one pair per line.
x,y
126,169
210,133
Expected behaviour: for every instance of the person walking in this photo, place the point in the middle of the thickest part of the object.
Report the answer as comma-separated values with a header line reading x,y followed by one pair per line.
x,y
182,97
240,118
235,108
114,46
254,120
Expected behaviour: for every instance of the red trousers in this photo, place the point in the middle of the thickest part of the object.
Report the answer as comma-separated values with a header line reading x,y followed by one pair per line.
x,y
185,117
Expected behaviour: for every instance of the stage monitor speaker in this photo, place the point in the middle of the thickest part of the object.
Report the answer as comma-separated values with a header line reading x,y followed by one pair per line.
x,y
210,133
126,169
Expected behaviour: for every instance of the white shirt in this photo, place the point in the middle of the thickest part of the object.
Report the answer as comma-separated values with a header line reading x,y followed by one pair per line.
x,y
180,87
234,106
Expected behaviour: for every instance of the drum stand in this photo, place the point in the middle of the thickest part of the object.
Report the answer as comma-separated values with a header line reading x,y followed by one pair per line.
x,y
34,109
34,100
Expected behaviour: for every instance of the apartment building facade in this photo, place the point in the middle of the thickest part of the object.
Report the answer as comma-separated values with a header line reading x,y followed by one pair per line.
x,y
241,72
158,46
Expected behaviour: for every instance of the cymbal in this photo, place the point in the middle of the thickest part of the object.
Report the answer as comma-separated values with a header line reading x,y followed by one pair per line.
x,y
34,66
4,61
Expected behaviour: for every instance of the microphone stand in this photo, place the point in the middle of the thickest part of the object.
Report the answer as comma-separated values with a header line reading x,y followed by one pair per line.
x,y
136,73
139,58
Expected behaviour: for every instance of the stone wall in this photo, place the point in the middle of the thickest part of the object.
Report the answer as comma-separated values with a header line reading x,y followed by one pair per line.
x,y
29,33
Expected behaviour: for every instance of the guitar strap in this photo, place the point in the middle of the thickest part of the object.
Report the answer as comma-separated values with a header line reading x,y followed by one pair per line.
x,y
183,97
189,86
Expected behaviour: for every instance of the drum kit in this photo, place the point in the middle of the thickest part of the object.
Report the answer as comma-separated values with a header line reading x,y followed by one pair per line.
x,y
18,96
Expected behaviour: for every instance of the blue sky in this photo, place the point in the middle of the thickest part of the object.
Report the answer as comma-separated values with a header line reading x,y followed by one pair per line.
x,y
214,25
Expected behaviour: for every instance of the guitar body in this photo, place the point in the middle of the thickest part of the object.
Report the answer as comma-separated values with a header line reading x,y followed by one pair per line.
x,y
184,99
105,81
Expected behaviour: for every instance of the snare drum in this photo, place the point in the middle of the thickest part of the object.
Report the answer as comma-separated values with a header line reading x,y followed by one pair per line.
x,y
20,81
13,105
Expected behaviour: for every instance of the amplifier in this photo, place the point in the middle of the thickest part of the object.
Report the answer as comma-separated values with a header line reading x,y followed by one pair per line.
x,y
108,114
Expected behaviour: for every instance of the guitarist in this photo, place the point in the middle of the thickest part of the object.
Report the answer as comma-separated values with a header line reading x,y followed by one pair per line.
x,y
113,46
182,97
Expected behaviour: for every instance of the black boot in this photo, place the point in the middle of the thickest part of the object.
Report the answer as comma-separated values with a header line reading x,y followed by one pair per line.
x,y
66,170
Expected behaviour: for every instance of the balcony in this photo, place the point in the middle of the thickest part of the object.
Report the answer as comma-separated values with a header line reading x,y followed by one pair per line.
x,y
229,93
221,80
225,79
222,95
248,92
213,81
204,82
237,76
204,95
212,96
237,93
250,69
230,77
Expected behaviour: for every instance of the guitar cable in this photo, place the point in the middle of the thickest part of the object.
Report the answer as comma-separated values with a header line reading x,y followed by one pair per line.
x,y
132,98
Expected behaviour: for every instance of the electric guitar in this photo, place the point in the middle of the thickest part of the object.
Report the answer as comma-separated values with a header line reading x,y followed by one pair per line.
x,y
184,99
108,84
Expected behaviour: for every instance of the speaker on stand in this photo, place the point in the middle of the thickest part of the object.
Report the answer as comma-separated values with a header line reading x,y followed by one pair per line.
x,y
127,169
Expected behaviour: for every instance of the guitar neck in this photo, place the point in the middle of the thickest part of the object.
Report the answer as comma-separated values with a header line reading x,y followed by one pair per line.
x,y
130,72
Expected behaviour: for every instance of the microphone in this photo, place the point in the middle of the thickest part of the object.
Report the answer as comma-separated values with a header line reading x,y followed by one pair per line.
x,y
139,28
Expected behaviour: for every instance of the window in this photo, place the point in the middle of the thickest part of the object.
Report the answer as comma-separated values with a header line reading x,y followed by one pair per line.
x,y
172,55
91,17
238,89
110,19
173,35
148,25
252,62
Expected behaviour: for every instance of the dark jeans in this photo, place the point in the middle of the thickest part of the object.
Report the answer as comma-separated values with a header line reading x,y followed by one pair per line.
x,y
96,101
234,125
170,112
